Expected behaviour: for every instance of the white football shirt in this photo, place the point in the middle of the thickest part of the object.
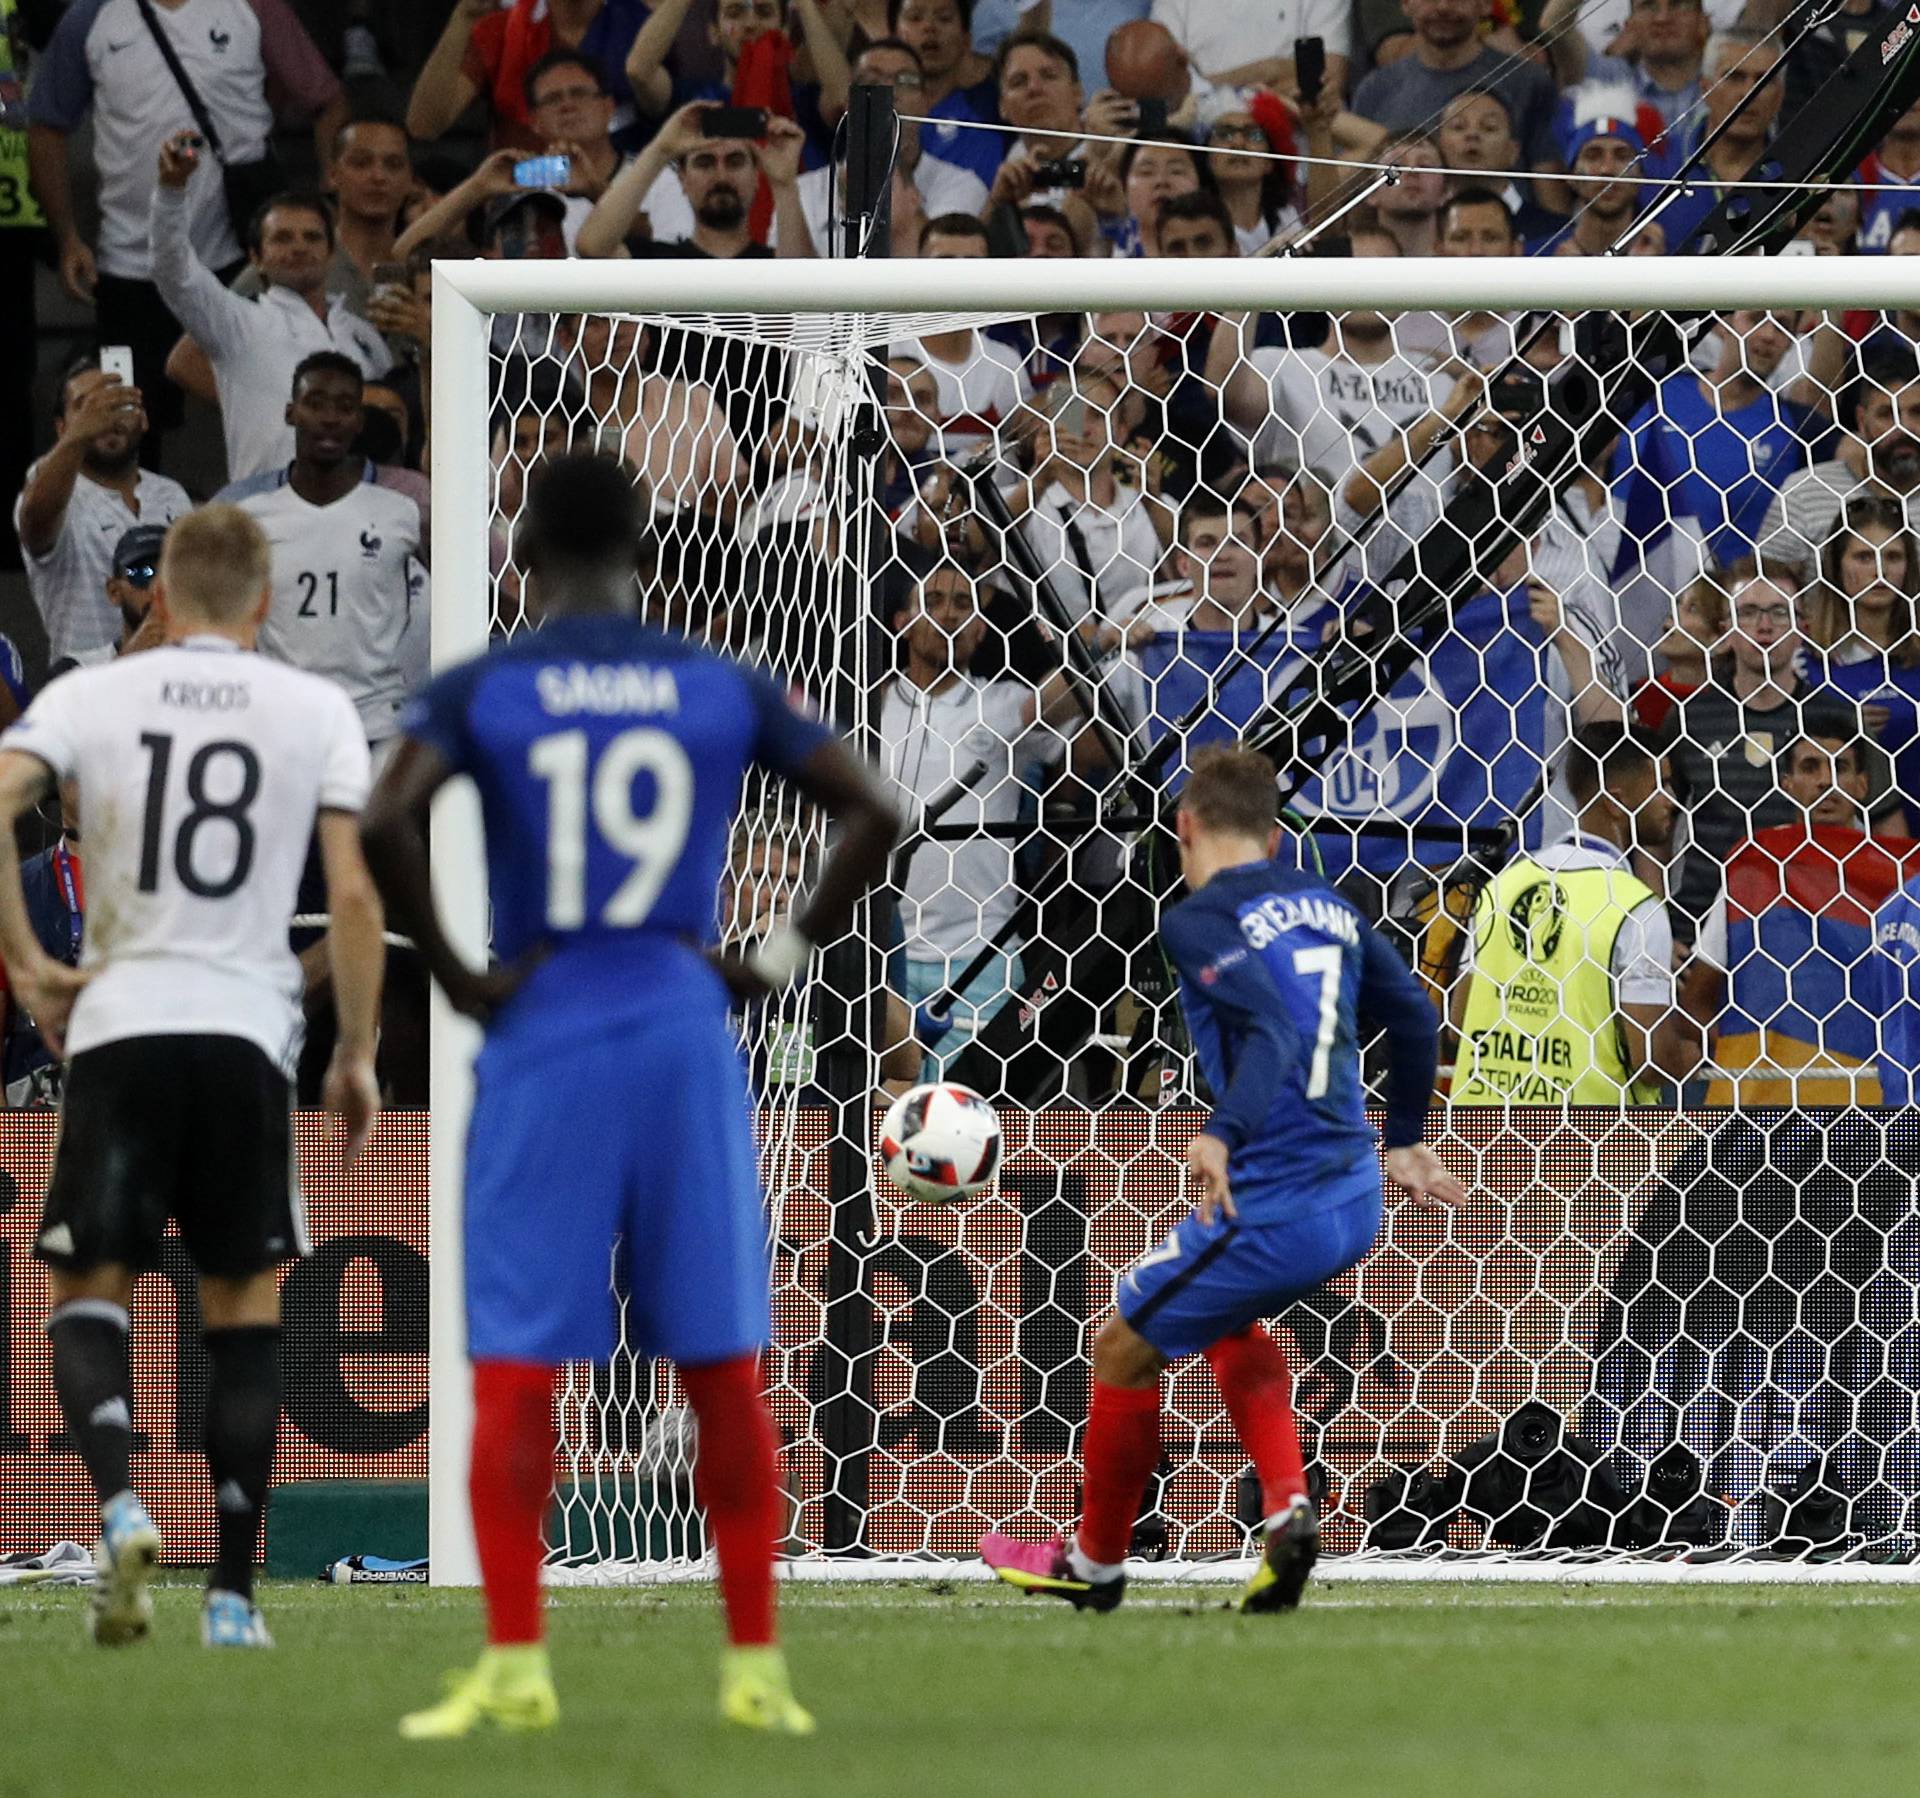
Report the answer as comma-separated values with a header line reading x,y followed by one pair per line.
x,y
342,587
200,770
1330,413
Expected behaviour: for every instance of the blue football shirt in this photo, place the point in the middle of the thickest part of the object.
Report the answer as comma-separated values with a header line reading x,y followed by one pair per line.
x,y
609,759
1277,974
1894,992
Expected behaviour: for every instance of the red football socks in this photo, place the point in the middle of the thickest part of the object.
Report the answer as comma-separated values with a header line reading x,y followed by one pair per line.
x,y
737,1476
1254,1379
1122,1445
508,1486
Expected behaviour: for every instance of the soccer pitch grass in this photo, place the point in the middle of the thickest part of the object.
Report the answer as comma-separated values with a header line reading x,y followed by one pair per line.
x,y
1411,1691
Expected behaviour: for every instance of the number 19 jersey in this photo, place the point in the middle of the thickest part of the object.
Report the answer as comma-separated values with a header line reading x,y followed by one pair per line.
x,y
609,759
199,769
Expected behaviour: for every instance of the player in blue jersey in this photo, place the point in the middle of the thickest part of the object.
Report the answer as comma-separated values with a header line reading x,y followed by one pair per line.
x,y
1277,971
610,1104
1893,993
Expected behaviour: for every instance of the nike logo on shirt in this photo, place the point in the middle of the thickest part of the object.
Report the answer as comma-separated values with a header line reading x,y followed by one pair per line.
x,y
116,48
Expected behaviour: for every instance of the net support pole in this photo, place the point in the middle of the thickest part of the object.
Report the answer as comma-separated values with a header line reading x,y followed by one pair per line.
x,y
460,627
852,975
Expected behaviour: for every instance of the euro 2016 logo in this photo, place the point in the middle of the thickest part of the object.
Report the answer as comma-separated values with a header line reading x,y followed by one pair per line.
x,y
1535,920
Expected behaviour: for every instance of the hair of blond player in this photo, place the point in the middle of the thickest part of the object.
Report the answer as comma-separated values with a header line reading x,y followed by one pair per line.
x,y
215,565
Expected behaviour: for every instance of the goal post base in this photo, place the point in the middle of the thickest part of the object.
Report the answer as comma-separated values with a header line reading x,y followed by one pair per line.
x,y
1360,1569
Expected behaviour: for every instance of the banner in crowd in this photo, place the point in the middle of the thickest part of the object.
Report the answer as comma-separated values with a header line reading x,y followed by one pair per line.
x,y
982,1315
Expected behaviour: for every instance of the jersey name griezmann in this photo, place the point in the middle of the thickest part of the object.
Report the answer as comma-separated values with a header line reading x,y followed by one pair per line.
x,y
1276,915
607,687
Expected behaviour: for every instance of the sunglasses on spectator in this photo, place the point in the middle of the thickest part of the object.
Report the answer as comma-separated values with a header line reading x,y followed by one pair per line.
x,y
1236,134
137,574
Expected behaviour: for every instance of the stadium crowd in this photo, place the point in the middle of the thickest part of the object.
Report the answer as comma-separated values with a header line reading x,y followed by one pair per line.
x,y
1694,694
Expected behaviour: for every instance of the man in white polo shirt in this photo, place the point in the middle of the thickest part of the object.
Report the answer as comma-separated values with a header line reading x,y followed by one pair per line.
x,y
937,722
81,497
104,63
255,345
343,549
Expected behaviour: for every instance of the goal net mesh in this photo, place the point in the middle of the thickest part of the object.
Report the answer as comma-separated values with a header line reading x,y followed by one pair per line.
x,y
1032,564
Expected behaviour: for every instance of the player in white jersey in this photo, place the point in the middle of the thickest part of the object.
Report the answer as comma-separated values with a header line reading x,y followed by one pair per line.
x,y
343,548
201,771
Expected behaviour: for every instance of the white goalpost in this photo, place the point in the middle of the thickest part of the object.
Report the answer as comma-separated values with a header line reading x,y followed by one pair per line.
x,y
928,1369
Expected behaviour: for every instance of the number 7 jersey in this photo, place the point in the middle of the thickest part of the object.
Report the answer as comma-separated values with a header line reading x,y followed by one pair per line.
x,y
199,770
609,759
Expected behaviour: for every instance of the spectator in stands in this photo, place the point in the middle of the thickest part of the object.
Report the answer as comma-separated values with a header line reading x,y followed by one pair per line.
x,y
1787,937
1877,450
488,50
1195,224
492,209
1088,26
81,497
1723,739
1258,192
1475,221
255,345
747,32
719,176
1565,994
1862,641
1293,531
961,85
1448,58
1090,528
1235,46
936,723
344,548
1408,209
924,185
1700,622
1476,133
1038,91
1657,53
1328,408
136,561
371,182
982,383
1150,173
1893,172
1739,103
535,412
1716,447
1602,215
105,62
673,431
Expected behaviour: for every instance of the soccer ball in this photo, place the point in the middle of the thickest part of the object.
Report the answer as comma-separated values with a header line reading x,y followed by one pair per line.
x,y
941,1143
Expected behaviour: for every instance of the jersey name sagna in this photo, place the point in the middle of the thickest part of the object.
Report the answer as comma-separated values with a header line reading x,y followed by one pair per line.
x,y
606,687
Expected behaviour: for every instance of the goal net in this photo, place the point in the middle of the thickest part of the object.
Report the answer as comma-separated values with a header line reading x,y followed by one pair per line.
x,y
1584,642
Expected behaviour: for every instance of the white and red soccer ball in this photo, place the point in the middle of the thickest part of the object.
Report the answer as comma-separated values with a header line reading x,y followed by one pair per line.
x,y
940,1143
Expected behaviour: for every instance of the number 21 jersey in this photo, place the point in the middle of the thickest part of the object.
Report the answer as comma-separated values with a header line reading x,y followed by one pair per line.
x,y
200,769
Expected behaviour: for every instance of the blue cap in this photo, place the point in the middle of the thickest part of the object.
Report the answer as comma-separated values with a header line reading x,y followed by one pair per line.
x,y
1624,129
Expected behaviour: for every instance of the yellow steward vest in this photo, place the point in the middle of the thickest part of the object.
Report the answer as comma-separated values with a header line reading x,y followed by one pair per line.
x,y
1542,1024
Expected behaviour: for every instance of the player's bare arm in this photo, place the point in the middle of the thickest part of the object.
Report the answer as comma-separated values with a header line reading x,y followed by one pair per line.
x,y
358,954
393,834
45,987
850,793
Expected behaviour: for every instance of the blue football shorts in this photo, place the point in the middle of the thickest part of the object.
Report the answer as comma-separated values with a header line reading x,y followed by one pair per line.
x,y
1206,1281
640,1139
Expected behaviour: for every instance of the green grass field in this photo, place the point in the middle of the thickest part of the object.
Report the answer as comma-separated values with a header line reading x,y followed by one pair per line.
x,y
1413,1691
